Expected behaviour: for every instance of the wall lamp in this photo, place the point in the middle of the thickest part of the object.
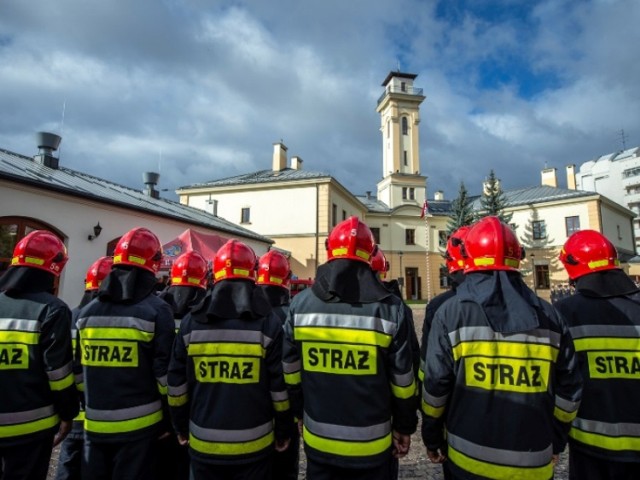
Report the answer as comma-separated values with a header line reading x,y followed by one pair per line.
x,y
97,230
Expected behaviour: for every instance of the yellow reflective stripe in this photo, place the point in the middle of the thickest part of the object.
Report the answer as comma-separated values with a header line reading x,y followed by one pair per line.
x,y
115,333
343,335
499,472
281,406
482,262
421,375
79,417
29,338
603,441
293,378
57,385
122,426
80,386
607,343
138,260
404,392
347,449
177,400
602,263
162,389
435,412
240,448
564,416
31,260
226,348
505,349
7,431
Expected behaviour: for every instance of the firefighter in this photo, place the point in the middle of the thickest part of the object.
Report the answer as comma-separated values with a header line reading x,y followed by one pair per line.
x,y
274,278
70,457
604,320
36,378
501,372
348,364
227,394
125,337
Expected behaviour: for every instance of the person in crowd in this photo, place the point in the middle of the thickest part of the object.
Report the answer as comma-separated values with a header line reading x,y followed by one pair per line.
x,y
604,320
348,364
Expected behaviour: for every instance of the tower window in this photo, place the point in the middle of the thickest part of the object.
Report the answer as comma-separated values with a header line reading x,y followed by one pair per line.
x,y
405,126
406,158
404,193
412,194
245,215
403,86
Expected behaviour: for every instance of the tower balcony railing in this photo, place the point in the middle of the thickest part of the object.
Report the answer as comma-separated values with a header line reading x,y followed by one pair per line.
x,y
405,91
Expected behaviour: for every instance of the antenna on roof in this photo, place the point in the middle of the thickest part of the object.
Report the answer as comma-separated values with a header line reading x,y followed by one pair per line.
x,y
623,138
398,60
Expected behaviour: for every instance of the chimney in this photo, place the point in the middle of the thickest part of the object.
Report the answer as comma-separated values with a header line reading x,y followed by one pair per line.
x,y
550,177
150,180
439,195
571,177
296,163
279,156
368,194
47,144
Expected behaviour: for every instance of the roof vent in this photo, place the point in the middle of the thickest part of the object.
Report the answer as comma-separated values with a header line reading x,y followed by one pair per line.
x,y
150,180
47,144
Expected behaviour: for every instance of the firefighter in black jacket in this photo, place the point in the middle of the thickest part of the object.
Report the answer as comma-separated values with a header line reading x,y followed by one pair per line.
x,y
125,338
226,388
604,320
36,377
70,457
348,364
274,277
501,373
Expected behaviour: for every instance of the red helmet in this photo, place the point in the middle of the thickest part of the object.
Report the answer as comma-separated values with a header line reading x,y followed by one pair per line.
x,y
140,248
274,269
40,249
379,264
234,260
453,255
189,270
491,245
351,239
97,272
588,251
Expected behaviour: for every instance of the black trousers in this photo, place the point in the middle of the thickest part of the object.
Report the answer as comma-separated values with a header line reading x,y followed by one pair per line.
x,y
586,467
260,470
119,461
172,460
70,458
286,464
323,471
26,461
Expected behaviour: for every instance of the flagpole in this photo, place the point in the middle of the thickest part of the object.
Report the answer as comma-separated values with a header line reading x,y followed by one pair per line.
x,y
426,214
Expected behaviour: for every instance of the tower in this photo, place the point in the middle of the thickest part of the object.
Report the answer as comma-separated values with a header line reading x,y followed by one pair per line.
x,y
399,109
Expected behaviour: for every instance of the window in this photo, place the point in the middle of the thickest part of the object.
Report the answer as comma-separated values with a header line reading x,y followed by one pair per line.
x,y
334,214
541,276
444,276
376,234
442,238
403,86
245,215
572,225
412,194
619,232
539,230
410,236
404,193
344,214
405,126
406,159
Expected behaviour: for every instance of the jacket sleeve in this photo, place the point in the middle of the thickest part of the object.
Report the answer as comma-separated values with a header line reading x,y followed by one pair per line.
x,y
439,380
163,343
279,395
568,388
402,377
177,382
55,341
291,366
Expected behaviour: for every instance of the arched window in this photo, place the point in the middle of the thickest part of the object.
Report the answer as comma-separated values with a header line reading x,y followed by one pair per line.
x,y
405,126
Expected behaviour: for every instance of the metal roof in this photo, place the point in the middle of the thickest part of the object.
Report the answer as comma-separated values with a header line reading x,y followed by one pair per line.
x,y
436,207
537,194
261,176
22,169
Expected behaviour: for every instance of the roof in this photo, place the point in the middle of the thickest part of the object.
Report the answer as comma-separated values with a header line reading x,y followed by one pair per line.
x,y
261,176
392,74
436,207
22,169
537,194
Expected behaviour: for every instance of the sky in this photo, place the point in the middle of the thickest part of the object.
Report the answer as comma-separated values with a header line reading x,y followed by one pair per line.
x,y
200,90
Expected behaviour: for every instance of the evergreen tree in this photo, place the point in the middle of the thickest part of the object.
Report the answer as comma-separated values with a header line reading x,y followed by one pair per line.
x,y
461,211
493,201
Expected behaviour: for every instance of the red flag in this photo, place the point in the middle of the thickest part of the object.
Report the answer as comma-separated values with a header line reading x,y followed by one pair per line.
x,y
425,209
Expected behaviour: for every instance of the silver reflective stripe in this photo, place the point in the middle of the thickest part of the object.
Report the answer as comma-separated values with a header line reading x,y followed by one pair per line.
x,y
59,373
343,432
186,339
279,396
230,436
239,336
608,429
266,341
291,367
621,331
26,416
404,379
469,334
74,333
432,400
117,322
498,456
566,405
123,413
345,321
176,323
162,380
78,378
179,390
19,324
